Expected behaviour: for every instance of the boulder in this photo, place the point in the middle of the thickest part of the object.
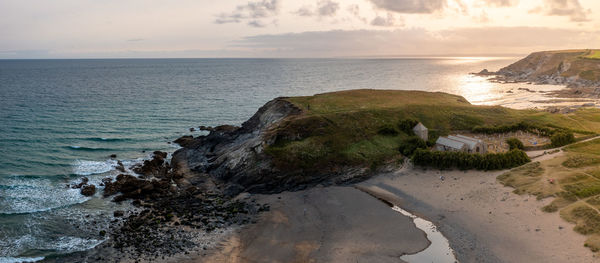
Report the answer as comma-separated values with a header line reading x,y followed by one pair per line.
x,y
184,141
88,190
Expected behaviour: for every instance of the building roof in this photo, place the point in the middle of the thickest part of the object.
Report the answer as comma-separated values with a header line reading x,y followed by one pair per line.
x,y
469,138
419,127
450,143
472,143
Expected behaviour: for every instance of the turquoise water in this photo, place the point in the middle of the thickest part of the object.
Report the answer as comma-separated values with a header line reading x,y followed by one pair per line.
x,y
60,120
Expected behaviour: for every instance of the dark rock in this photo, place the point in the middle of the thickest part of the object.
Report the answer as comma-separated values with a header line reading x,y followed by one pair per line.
x,y
120,167
113,156
88,190
185,141
192,129
233,190
156,167
118,213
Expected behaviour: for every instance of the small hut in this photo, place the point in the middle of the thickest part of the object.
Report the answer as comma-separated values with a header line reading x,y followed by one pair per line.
x,y
421,131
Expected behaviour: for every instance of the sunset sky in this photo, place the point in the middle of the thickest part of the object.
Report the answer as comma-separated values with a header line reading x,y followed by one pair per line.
x,y
286,28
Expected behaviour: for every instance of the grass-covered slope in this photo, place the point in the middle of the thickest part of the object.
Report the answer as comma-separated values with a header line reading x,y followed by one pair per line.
x,y
345,128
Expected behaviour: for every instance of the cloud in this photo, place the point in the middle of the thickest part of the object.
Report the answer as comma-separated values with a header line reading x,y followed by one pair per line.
x,y
501,3
327,8
415,41
384,21
256,23
355,11
251,11
410,6
304,11
570,8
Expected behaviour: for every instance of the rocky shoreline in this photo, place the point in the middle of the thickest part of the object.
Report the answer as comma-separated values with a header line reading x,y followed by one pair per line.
x,y
201,193
171,215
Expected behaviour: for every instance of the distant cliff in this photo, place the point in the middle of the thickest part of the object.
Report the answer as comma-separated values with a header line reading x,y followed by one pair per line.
x,y
575,68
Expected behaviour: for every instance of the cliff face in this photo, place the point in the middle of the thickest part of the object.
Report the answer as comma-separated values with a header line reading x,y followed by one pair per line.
x,y
233,156
569,67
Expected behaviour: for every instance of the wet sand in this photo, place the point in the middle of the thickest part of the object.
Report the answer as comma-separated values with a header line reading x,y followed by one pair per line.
x,y
332,224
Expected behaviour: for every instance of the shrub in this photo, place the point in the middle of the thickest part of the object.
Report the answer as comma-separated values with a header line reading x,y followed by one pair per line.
x,y
407,126
514,143
465,161
521,126
387,130
410,145
562,138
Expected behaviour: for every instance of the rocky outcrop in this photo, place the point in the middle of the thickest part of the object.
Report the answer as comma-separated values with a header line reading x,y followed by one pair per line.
x,y
234,157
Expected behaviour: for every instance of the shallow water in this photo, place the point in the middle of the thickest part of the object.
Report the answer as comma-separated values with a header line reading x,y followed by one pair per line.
x,y
439,251
61,119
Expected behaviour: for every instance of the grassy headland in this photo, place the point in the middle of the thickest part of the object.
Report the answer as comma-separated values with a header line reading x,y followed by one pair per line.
x,y
568,65
361,127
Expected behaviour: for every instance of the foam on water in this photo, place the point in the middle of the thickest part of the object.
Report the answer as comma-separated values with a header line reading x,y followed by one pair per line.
x,y
85,148
19,260
25,195
86,167
60,245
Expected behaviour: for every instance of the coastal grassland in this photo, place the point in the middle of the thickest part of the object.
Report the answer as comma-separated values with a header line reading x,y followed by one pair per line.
x,y
573,180
361,127
592,54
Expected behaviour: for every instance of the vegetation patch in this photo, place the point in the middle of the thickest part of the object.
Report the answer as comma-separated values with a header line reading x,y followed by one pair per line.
x,y
562,138
581,160
587,219
584,188
465,161
592,54
515,144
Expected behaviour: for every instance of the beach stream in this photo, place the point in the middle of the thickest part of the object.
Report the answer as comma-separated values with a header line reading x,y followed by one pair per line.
x,y
439,251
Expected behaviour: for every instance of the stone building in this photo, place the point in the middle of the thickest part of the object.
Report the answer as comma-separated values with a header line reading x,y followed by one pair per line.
x,y
421,131
460,143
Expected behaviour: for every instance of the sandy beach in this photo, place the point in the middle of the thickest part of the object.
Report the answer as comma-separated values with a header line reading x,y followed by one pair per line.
x,y
483,220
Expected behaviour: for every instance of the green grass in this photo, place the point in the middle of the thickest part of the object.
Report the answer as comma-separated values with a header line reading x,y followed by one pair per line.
x,y
592,54
345,128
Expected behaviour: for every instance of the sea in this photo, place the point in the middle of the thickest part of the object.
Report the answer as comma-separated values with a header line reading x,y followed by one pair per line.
x,y
60,120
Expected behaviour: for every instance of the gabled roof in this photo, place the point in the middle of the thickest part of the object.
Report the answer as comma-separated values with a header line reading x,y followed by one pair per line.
x,y
469,138
472,143
450,143
419,127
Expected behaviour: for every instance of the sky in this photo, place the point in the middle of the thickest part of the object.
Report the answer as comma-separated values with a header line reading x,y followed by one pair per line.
x,y
293,28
